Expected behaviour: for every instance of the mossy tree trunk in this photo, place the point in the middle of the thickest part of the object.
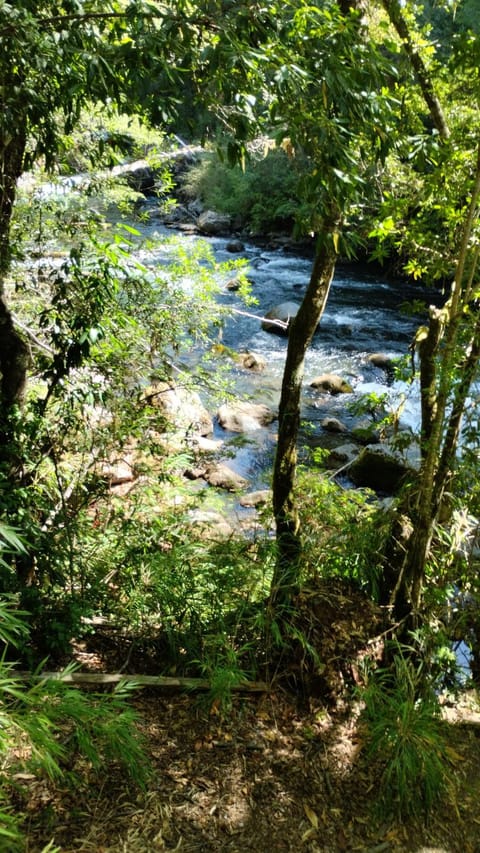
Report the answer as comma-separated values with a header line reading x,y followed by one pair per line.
x,y
449,359
301,331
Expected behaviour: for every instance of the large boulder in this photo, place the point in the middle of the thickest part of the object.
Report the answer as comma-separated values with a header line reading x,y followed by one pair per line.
x,y
202,444
217,474
280,317
252,361
366,432
211,525
380,468
331,384
181,407
249,360
333,425
342,456
244,416
254,499
235,246
119,471
383,361
213,223
223,477
142,178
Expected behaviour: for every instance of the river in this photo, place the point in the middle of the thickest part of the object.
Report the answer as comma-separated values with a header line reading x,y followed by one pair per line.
x,y
364,315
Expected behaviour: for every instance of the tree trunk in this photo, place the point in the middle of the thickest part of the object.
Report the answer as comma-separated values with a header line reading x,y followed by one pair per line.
x,y
13,350
14,359
469,370
12,150
411,536
301,332
428,341
443,405
394,12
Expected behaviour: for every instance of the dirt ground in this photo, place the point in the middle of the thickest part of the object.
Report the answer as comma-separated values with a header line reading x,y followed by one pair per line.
x,y
265,779
274,772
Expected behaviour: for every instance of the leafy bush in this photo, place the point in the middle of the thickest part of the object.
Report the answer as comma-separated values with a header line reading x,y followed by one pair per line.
x,y
104,138
264,197
105,324
172,586
342,531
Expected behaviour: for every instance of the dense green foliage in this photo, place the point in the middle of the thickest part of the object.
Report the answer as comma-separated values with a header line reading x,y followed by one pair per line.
x,y
261,198
101,307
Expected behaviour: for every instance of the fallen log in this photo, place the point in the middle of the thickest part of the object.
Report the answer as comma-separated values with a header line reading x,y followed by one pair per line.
x,y
161,681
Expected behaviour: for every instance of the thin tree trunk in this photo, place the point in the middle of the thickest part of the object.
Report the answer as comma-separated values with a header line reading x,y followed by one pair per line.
x,y
14,352
428,342
12,153
394,12
469,371
302,329
405,558
422,504
301,333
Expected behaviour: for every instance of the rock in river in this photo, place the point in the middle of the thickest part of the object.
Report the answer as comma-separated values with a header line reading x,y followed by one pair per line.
x,y
280,317
244,416
331,383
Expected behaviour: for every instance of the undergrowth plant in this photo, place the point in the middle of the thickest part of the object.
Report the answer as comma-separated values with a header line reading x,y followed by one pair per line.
x,y
342,531
405,740
46,726
171,586
106,315
224,666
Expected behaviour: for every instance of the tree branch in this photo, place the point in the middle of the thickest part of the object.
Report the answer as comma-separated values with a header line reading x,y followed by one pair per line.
x,y
394,12
32,336
56,20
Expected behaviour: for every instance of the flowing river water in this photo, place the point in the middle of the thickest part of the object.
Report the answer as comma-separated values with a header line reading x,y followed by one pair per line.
x,y
364,315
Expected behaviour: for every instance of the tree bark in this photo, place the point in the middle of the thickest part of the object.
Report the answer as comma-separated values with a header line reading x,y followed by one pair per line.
x,y
469,370
287,568
301,332
12,152
428,342
405,559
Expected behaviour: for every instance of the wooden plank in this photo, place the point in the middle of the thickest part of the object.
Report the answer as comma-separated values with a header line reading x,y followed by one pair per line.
x,y
161,681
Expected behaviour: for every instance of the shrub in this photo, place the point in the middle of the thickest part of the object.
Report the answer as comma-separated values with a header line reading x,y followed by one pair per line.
x,y
263,197
54,723
342,529
405,736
